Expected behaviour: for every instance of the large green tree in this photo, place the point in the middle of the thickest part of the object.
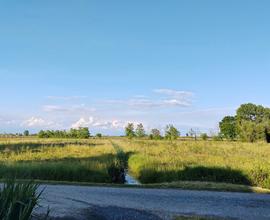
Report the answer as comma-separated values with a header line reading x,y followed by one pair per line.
x,y
140,132
228,127
129,130
253,122
171,133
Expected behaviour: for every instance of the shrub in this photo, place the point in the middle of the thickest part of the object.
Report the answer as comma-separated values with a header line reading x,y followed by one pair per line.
x,y
204,136
117,173
155,134
99,135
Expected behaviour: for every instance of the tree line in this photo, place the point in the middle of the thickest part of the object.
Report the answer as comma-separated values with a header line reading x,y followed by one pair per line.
x,y
251,123
171,132
80,133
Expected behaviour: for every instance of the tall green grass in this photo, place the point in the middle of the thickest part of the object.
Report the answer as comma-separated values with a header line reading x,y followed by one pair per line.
x,y
150,161
230,162
85,161
18,200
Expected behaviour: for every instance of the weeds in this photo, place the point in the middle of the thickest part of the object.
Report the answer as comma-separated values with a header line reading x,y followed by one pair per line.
x,y
18,200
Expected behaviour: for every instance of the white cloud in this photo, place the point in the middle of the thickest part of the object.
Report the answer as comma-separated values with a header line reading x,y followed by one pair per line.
x,y
83,122
176,97
37,122
167,98
92,122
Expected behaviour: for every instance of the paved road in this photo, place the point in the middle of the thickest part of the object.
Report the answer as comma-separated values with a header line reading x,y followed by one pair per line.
x,y
79,202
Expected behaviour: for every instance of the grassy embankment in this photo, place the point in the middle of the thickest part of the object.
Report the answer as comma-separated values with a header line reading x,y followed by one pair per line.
x,y
157,163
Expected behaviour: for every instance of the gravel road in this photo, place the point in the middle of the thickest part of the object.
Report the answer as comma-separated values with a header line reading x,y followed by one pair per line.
x,y
101,203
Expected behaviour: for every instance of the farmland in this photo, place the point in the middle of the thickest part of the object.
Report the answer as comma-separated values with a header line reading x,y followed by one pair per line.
x,y
149,161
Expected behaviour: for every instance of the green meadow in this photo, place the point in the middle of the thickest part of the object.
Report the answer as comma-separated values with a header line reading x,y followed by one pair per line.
x,y
149,161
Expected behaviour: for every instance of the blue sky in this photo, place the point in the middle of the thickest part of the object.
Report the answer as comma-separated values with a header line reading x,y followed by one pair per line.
x,y
105,63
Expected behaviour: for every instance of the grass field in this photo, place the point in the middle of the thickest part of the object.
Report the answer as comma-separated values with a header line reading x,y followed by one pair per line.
x,y
60,160
149,161
229,162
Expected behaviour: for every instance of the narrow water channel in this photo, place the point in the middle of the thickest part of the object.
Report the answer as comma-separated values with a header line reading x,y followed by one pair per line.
x,y
131,181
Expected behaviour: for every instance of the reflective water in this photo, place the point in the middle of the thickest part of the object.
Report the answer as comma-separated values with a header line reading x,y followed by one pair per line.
x,y
131,181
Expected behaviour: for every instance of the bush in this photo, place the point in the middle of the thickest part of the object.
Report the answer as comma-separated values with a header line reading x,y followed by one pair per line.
x,y
117,173
204,136
99,135
217,137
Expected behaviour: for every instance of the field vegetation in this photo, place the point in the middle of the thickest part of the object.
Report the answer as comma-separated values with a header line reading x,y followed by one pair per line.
x,y
211,161
150,161
56,159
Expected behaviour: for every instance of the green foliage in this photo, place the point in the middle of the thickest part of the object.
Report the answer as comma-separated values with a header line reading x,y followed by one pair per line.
x,y
152,161
81,133
18,200
204,136
117,169
140,132
155,134
99,135
223,161
75,160
253,122
218,137
171,133
116,173
228,127
26,133
129,130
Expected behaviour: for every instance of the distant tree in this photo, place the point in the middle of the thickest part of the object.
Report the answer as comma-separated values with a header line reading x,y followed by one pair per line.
x,y
192,133
204,136
26,133
42,134
140,132
99,135
228,127
129,130
155,134
171,133
83,133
